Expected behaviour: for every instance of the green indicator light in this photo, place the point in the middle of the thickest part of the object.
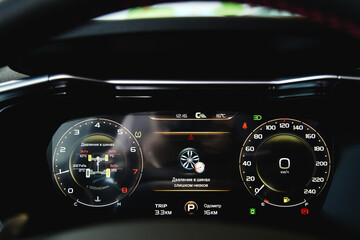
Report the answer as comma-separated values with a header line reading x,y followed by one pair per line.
x,y
252,211
257,117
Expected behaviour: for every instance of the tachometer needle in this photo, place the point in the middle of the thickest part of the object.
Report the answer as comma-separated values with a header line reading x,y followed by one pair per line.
x,y
60,172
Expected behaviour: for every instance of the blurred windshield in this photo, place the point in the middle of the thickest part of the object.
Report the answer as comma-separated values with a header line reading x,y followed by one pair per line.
x,y
196,9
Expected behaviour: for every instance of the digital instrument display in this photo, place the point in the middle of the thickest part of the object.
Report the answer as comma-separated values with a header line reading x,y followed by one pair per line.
x,y
97,162
285,162
190,163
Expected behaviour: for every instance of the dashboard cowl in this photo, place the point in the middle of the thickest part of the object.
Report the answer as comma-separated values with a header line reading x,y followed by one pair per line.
x,y
66,84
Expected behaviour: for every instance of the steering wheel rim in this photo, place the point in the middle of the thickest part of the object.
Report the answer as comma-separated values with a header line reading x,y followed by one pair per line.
x,y
27,23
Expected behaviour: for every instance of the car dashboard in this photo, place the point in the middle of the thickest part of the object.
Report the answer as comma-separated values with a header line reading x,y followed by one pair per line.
x,y
172,149
251,147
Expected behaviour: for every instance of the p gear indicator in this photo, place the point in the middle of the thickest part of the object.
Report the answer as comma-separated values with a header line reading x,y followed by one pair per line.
x,y
191,207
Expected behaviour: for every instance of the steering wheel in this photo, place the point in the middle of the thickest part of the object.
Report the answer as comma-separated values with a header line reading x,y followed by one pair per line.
x,y
28,23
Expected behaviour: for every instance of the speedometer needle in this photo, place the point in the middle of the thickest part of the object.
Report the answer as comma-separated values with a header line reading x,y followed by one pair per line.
x,y
259,189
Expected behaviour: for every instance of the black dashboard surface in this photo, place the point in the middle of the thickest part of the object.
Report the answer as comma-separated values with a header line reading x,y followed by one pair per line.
x,y
193,48
289,86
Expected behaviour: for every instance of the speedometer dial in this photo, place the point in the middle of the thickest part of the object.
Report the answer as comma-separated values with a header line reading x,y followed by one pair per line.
x,y
285,162
97,162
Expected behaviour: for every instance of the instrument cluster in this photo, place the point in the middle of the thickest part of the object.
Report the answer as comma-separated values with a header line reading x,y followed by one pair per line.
x,y
197,163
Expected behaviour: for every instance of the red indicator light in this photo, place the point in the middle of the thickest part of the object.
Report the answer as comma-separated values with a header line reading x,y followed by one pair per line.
x,y
244,126
304,211
191,137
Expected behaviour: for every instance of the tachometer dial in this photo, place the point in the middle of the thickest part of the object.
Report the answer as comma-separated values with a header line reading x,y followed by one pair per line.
x,y
284,162
97,162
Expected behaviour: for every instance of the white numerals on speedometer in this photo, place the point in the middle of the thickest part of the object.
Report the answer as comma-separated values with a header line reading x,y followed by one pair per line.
x,y
284,162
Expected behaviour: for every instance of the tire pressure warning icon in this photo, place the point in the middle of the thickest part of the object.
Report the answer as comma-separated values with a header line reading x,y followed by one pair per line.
x,y
199,167
189,159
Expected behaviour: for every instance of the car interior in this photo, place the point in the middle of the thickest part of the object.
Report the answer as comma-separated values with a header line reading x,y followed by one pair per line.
x,y
134,119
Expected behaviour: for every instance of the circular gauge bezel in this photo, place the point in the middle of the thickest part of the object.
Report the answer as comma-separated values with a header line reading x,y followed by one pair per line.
x,y
307,137
121,137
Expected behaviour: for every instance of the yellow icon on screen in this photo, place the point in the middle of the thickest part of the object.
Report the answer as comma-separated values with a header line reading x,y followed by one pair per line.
x,y
286,199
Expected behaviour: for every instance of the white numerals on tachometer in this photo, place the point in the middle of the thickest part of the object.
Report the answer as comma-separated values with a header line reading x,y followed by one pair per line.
x,y
98,165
